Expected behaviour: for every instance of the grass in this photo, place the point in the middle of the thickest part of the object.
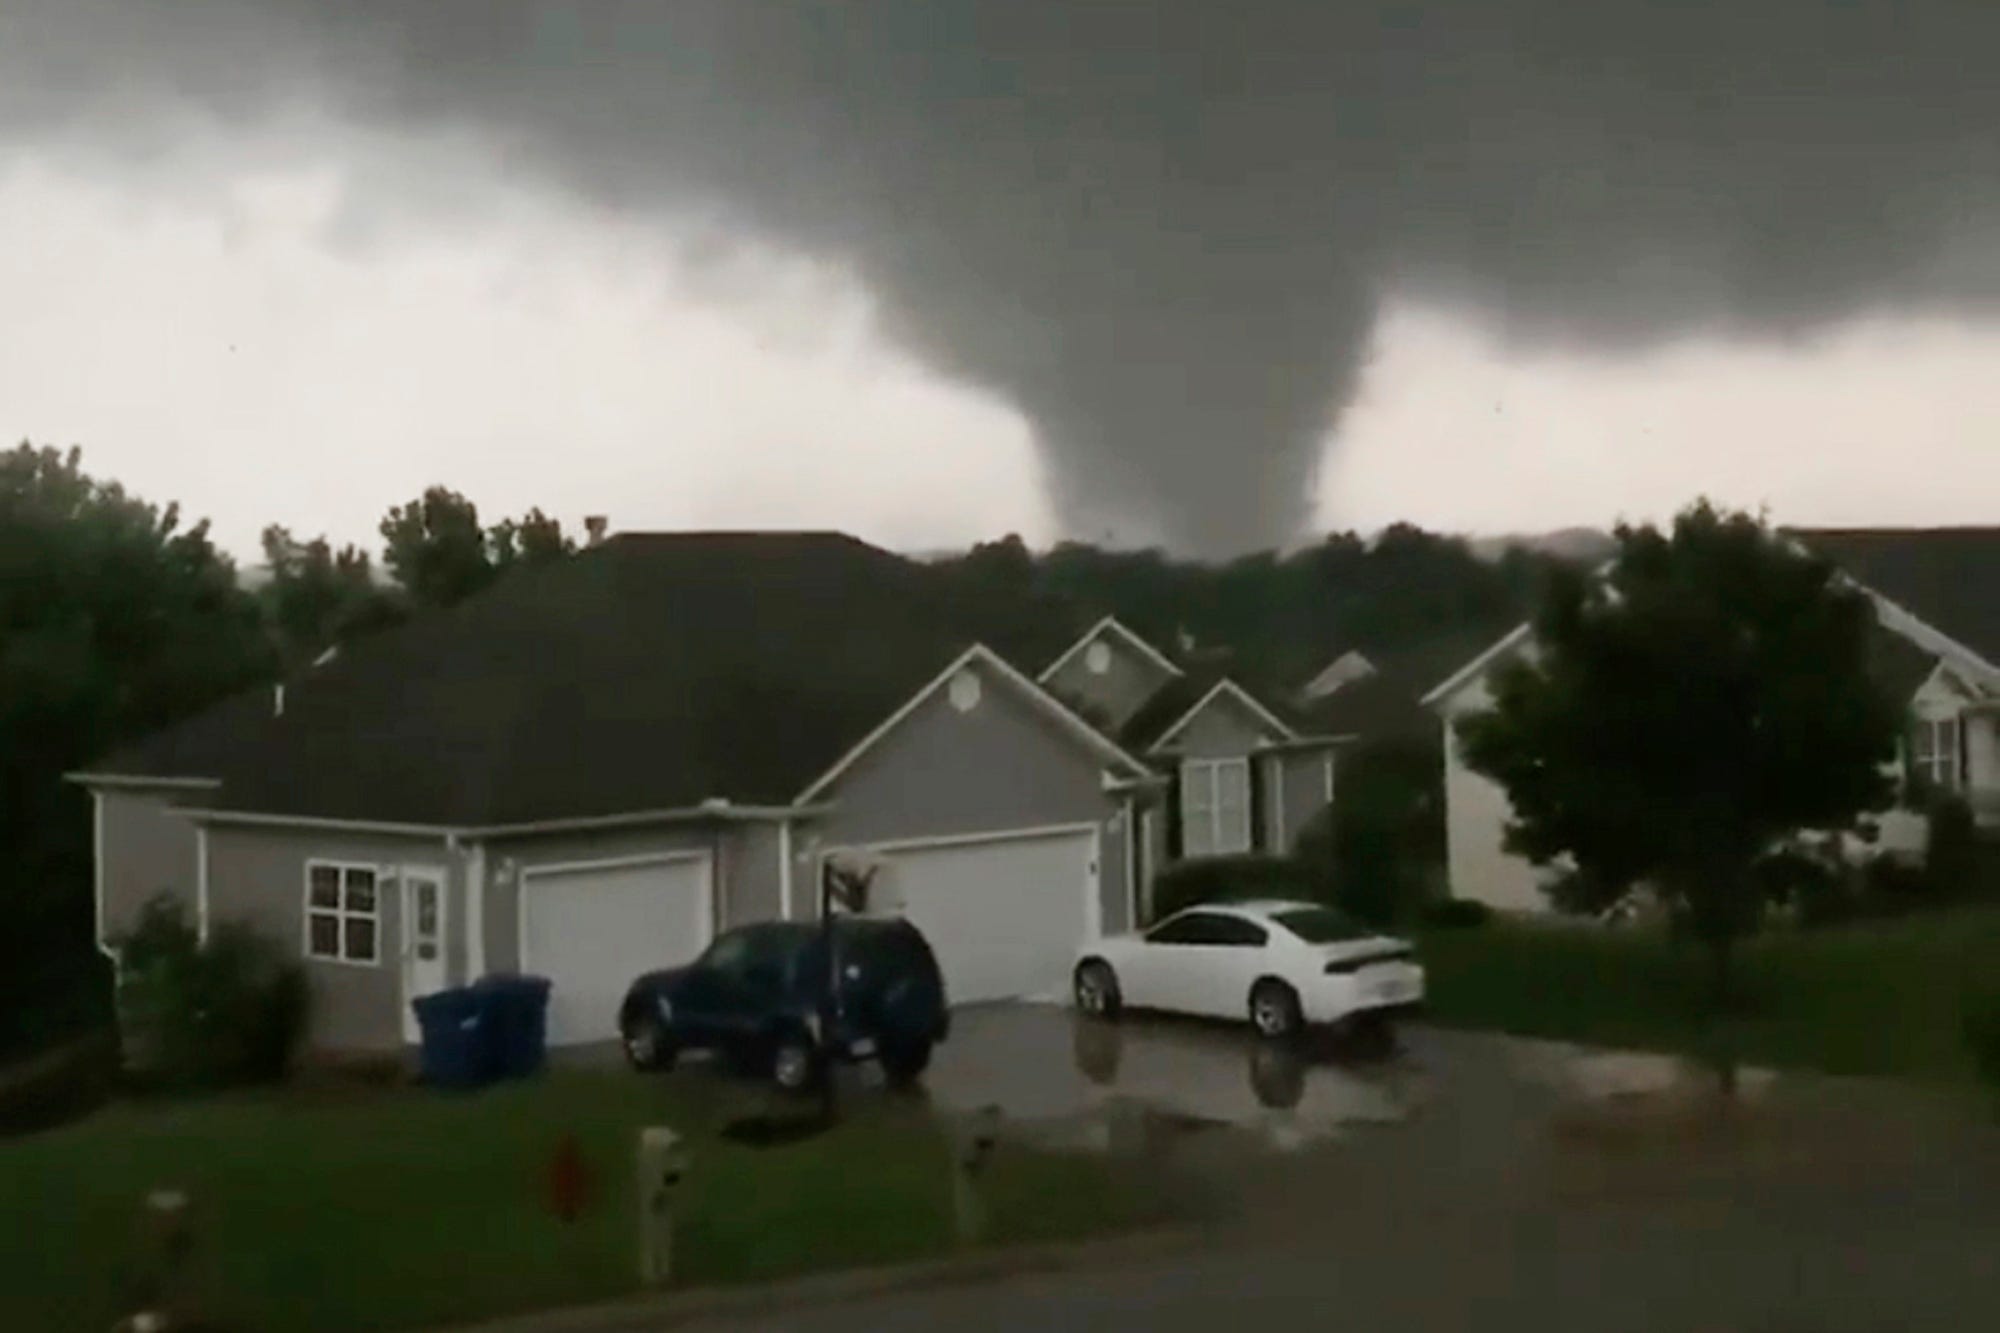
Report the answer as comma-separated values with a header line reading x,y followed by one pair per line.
x,y
400,1208
1882,997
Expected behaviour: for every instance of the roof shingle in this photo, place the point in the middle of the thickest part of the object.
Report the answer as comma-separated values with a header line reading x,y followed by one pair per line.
x,y
653,672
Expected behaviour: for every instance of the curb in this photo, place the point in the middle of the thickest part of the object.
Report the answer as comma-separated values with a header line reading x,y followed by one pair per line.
x,y
664,1309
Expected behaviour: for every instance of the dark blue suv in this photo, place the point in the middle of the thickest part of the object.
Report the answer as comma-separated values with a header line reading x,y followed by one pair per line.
x,y
788,997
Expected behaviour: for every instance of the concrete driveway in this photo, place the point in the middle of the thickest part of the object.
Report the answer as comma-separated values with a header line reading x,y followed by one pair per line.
x,y
1452,1119
1479,1181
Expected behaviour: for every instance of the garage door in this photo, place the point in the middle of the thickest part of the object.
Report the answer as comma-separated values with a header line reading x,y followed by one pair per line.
x,y
1005,915
592,929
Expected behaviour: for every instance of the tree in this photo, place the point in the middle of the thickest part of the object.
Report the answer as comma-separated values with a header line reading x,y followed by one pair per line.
x,y
436,548
114,621
534,539
318,597
1679,718
440,555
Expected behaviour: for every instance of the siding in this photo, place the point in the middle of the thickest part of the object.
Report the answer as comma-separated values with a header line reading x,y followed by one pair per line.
x,y
1223,729
258,875
1304,788
146,848
1003,765
1124,686
1477,811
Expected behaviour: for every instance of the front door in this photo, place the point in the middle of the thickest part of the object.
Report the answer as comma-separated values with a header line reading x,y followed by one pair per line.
x,y
423,938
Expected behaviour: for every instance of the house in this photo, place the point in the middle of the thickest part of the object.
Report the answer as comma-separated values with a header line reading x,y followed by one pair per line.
x,y
589,769
1376,695
1239,772
1937,600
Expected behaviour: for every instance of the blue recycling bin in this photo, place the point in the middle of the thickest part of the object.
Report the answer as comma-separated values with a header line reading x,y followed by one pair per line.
x,y
517,1010
457,1034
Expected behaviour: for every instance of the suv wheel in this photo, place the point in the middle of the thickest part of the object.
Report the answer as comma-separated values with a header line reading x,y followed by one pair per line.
x,y
795,1064
904,1062
647,1045
1274,1010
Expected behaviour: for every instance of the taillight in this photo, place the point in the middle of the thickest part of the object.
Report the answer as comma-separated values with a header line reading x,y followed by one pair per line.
x,y
1345,966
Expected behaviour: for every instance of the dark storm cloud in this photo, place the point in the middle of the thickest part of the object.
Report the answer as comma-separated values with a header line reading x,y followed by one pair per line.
x,y
1163,229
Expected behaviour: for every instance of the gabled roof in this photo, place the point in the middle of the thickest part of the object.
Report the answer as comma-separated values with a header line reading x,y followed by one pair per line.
x,y
1949,578
1111,625
1895,568
1350,666
653,672
1177,701
1106,749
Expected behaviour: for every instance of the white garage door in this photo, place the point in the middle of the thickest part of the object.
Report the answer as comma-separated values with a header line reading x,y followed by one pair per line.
x,y
592,929
1005,915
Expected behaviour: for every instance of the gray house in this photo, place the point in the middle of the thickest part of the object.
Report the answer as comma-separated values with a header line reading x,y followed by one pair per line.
x,y
588,770
1241,773
1936,594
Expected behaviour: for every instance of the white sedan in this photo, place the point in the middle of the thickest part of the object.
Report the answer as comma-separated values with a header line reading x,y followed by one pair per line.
x,y
1280,964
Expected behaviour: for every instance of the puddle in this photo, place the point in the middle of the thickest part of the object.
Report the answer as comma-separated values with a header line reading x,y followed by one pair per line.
x,y
1148,1083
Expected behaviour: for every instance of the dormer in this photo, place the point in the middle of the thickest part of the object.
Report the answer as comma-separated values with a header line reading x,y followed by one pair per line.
x,y
1110,672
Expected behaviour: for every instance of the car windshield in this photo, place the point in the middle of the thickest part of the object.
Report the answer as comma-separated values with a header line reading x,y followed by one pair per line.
x,y
1320,925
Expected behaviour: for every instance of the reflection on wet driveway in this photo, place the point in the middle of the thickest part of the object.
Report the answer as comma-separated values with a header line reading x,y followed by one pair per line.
x,y
1471,1114
1060,1075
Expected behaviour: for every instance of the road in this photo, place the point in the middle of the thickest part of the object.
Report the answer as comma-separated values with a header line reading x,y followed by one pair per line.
x,y
1631,1270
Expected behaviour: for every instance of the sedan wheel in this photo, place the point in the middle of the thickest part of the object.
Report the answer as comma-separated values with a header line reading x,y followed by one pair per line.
x,y
1274,1010
1097,990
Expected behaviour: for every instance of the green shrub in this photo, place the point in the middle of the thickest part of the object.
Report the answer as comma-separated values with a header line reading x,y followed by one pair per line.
x,y
1222,878
1454,914
197,1015
1818,889
1892,886
1951,849
1981,1026
1380,845
58,1085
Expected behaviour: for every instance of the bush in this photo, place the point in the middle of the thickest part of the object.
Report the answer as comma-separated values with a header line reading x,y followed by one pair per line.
x,y
198,1015
1951,849
1381,843
1454,914
1981,1027
1892,886
1222,878
58,1085
1816,888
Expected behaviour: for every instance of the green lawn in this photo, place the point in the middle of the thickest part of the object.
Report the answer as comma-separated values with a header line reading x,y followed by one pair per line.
x,y
1878,997
399,1208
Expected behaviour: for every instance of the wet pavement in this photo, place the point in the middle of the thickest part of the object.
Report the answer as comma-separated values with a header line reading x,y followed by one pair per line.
x,y
1480,1181
1454,1120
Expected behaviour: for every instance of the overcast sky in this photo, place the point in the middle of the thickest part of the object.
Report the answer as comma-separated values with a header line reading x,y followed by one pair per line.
x,y
396,256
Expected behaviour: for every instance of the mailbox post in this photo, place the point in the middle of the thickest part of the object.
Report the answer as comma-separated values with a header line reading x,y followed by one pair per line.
x,y
973,1138
662,1167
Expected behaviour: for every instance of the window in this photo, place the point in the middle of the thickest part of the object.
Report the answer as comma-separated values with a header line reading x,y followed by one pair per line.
x,y
1934,752
1215,807
343,912
1320,925
1206,928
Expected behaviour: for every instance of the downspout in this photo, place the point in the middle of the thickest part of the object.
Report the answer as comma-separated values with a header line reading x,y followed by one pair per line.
x,y
475,912
784,870
201,882
97,862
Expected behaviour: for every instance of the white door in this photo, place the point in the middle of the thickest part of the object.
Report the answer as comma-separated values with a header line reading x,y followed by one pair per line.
x,y
423,939
1004,915
591,929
